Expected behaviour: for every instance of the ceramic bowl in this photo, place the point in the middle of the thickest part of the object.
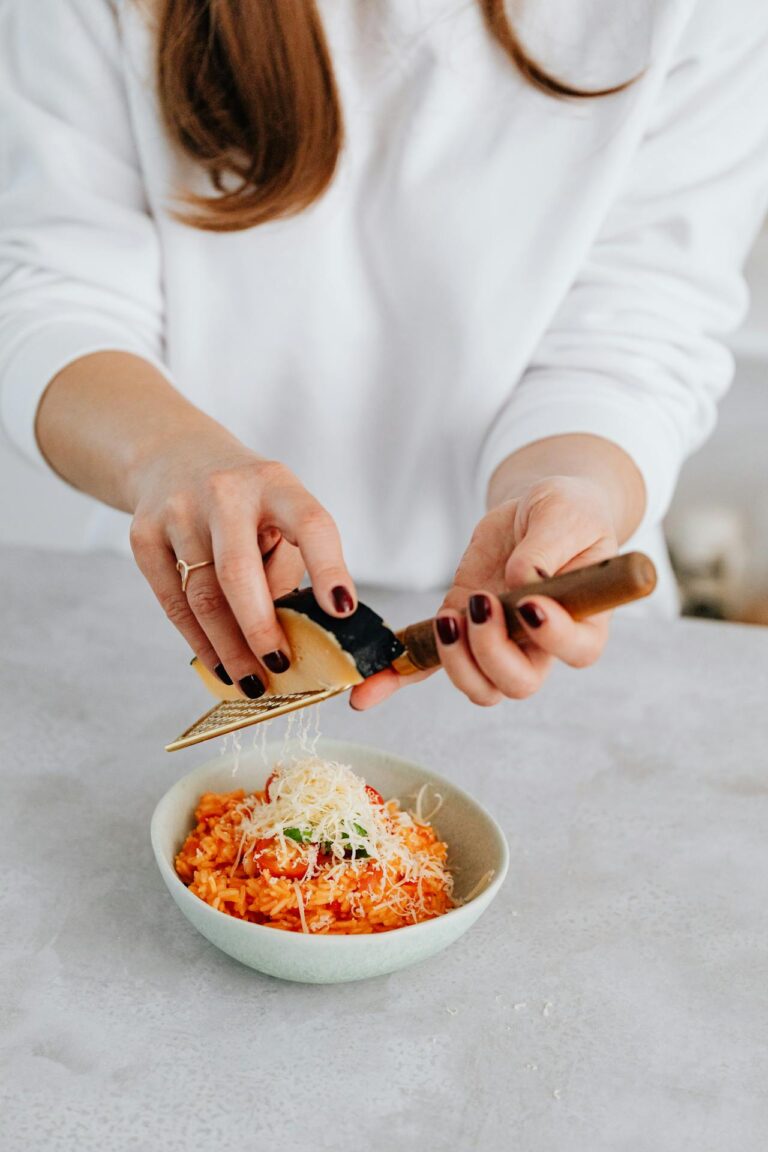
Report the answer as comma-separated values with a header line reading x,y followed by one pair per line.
x,y
477,851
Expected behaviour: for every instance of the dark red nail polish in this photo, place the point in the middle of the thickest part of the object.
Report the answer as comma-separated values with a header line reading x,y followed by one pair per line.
x,y
447,629
479,608
342,599
541,573
532,614
252,687
276,661
222,674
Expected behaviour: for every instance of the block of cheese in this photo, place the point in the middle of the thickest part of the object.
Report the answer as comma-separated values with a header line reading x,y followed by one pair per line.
x,y
326,651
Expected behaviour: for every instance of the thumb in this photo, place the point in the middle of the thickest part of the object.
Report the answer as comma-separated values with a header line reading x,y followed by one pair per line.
x,y
381,686
284,569
555,536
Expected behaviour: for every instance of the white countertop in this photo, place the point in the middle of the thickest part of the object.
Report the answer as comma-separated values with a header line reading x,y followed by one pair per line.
x,y
613,998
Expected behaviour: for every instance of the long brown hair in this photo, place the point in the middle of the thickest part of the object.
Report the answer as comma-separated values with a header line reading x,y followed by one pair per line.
x,y
248,91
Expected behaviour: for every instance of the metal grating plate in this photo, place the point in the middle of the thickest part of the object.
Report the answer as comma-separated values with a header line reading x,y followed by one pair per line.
x,y
229,715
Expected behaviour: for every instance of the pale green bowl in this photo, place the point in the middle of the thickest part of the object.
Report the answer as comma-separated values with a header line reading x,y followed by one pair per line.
x,y
476,849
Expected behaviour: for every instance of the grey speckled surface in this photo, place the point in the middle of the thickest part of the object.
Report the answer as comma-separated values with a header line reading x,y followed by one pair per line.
x,y
613,998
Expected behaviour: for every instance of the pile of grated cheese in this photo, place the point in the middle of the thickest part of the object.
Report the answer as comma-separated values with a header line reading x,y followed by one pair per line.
x,y
330,806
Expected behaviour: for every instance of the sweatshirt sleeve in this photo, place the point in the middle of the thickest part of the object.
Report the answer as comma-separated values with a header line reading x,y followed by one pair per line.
x,y
79,254
635,353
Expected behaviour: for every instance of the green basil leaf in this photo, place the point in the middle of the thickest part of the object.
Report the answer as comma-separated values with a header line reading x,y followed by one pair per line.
x,y
297,835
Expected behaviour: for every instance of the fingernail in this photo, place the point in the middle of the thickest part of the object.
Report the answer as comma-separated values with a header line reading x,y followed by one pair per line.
x,y
541,573
252,687
342,599
222,674
532,614
479,608
447,629
276,661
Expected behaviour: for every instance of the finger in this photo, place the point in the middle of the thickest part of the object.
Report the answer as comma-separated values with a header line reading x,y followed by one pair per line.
x,y
157,563
284,569
515,672
244,584
381,686
268,540
374,690
209,602
305,523
553,630
458,661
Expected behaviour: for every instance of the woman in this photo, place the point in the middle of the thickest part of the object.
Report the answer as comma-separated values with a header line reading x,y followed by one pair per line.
x,y
417,276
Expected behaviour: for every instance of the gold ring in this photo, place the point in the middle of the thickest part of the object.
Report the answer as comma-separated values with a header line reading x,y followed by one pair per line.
x,y
185,569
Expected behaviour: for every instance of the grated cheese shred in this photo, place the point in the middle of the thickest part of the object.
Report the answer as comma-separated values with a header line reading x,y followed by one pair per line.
x,y
300,905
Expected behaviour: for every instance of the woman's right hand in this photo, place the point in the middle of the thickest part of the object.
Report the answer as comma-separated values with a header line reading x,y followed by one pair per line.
x,y
208,497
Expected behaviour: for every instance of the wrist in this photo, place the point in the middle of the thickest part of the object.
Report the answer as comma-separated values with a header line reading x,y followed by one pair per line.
x,y
110,424
193,442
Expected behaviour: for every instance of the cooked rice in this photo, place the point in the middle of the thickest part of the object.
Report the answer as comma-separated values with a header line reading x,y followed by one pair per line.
x,y
340,898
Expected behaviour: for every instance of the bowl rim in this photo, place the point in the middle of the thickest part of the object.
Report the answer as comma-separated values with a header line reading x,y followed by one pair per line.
x,y
171,877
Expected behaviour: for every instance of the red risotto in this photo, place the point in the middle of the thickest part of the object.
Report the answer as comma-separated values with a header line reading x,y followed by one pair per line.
x,y
318,851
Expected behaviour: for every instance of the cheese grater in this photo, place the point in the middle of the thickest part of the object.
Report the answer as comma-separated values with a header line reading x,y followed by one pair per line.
x,y
582,592
230,715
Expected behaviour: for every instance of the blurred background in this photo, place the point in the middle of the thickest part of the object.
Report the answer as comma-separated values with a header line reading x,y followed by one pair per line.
x,y
717,528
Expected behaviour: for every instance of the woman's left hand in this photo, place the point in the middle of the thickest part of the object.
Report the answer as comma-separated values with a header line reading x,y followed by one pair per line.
x,y
555,525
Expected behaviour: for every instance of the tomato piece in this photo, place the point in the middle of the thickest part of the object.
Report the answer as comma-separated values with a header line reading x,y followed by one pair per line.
x,y
268,857
374,796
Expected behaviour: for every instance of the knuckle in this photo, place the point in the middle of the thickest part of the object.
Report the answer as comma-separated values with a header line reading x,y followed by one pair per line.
x,y
522,689
264,636
207,602
176,607
220,483
272,472
207,654
178,509
234,570
235,656
143,534
583,658
315,519
484,699
535,554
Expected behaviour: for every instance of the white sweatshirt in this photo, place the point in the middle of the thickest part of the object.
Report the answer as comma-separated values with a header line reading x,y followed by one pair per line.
x,y
490,266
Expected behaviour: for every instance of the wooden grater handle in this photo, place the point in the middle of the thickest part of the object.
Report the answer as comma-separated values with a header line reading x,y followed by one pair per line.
x,y
583,592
